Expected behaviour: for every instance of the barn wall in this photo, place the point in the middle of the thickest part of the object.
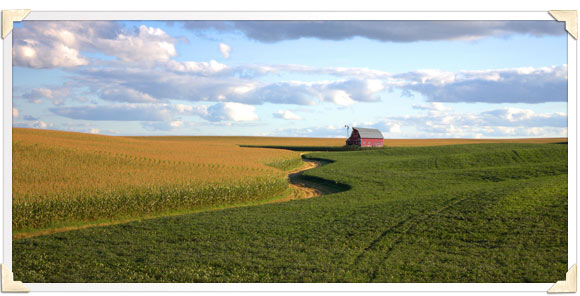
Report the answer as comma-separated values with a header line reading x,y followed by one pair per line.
x,y
372,143
355,138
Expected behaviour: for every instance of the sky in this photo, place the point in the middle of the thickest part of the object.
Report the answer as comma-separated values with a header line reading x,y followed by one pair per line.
x,y
409,79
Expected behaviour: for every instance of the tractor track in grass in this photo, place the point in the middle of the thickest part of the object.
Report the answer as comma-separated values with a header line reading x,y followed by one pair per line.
x,y
405,226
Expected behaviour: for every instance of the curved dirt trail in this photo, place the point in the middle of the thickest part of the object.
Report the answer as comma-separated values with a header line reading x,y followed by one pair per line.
x,y
301,188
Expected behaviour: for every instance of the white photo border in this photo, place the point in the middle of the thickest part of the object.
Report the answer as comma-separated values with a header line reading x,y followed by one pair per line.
x,y
287,15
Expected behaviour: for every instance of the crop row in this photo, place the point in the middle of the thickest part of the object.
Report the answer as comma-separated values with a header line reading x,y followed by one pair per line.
x,y
40,213
286,164
61,179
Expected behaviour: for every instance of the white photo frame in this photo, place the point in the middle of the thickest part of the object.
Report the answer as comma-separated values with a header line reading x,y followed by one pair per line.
x,y
288,15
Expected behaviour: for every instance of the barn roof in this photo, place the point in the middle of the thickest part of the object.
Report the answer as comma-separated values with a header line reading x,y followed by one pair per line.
x,y
369,133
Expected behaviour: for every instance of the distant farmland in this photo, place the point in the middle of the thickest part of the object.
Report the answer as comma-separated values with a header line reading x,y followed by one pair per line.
x,y
491,212
439,142
335,142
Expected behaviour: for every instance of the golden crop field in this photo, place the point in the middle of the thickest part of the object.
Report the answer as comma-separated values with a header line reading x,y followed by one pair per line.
x,y
62,177
256,141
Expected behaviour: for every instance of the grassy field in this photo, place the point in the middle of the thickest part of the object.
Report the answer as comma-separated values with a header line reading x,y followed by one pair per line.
x,y
463,213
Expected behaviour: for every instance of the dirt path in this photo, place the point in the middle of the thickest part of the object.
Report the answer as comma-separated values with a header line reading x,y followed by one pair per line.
x,y
301,188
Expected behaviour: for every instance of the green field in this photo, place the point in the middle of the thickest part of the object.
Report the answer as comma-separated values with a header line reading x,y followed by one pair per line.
x,y
461,213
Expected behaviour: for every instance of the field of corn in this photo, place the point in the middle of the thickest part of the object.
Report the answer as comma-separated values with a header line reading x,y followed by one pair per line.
x,y
64,179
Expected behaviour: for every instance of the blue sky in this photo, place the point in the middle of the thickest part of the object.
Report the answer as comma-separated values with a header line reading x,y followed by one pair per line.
x,y
410,79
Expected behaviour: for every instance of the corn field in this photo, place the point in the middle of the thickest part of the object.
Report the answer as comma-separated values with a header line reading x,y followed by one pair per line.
x,y
62,178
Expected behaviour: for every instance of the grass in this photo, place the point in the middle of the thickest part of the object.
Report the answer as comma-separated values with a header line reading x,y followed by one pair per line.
x,y
463,213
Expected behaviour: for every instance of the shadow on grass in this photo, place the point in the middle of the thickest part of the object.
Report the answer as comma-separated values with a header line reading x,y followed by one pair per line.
x,y
323,185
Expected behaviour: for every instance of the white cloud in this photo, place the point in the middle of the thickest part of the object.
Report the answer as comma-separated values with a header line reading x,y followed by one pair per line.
x,y
32,54
216,82
40,124
225,50
204,68
159,116
243,89
339,92
176,123
163,125
346,92
124,94
149,44
48,44
173,85
504,122
515,116
522,85
395,128
189,109
15,112
517,85
432,107
286,114
340,97
377,76
118,112
231,111
32,124
56,94
85,127
317,131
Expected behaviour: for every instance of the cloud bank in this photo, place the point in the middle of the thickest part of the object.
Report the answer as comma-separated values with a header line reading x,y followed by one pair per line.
x,y
214,82
387,31
517,85
439,121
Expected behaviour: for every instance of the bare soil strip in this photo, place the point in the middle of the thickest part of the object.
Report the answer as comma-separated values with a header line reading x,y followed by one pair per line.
x,y
302,189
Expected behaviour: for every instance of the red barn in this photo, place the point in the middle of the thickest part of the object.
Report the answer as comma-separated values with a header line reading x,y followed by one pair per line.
x,y
365,137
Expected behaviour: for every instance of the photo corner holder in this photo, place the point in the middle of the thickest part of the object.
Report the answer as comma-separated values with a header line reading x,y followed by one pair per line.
x,y
11,16
570,17
9,285
567,286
